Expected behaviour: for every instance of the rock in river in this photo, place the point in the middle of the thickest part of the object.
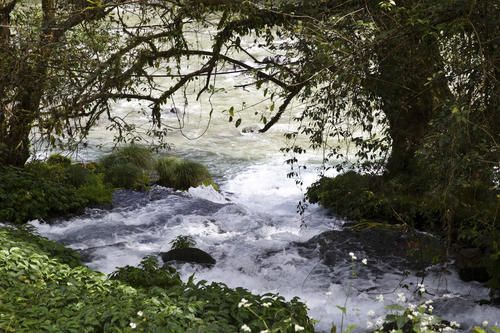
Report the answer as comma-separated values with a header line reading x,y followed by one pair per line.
x,y
189,254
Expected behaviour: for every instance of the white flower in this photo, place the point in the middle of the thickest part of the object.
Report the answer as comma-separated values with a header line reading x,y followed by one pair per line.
x,y
380,321
401,298
447,328
266,305
133,325
410,316
431,308
298,328
454,324
245,328
430,301
328,293
353,257
364,261
244,303
371,313
485,323
140,313
369,324
380,298
411,306
392,2
264,331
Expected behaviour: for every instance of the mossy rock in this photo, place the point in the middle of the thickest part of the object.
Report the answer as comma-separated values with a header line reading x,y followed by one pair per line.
x,y
181,174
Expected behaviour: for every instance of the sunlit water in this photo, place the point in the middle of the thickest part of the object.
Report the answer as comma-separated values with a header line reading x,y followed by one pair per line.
x,y
251,226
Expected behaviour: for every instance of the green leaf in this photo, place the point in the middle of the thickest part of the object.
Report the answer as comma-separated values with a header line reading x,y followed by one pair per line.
x,y
342,308
396,307
401,321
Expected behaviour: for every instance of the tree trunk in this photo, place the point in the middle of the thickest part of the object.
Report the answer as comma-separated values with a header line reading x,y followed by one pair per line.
x,y
21,88
409,98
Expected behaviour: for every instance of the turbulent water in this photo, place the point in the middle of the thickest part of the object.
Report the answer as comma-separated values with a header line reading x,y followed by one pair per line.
x,y
251,226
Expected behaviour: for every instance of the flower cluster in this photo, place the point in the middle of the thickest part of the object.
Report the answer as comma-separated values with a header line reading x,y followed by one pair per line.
x,y
353,257
244,303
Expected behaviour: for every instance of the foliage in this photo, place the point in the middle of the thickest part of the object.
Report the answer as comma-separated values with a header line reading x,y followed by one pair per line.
x,y
59,159
183,242
27,236
147,275
39,293
44,190
181,174
367,196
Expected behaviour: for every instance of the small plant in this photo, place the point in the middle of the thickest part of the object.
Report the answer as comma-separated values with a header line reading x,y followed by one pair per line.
x,y
182,242
147,275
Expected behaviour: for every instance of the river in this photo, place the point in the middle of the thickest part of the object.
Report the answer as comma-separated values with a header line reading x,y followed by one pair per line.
x,y
250,226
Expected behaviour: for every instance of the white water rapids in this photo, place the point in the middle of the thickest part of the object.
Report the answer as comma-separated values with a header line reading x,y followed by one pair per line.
x,y
251,226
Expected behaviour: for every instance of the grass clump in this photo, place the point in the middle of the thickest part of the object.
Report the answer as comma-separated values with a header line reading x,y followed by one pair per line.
x,y
40,293
128,167
181,174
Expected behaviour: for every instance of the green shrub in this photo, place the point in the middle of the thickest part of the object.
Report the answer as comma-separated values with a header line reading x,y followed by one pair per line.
x,y
95,190
181,174
26,195
42,190
360,197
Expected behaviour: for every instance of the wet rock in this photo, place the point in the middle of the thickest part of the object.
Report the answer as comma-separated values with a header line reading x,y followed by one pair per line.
x,y
189,254
277,60
92,253
469,263
175,110
387,250
250,129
